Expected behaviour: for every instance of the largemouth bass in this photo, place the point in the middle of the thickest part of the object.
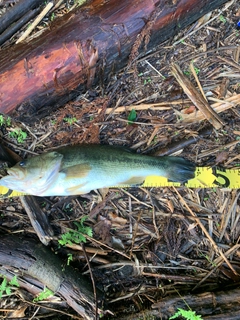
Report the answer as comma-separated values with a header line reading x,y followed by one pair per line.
x,y
79,169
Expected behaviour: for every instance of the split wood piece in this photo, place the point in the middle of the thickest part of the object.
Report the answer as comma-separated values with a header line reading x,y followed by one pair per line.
x,y
220,106
38,219
36,215
16,12
86,44
34,259
196,97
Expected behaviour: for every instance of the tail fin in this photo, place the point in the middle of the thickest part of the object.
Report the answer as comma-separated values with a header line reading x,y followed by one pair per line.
x,y
180,169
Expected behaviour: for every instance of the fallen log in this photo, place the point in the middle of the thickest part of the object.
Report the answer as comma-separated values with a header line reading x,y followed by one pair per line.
x,y
29,258
211,305
86,45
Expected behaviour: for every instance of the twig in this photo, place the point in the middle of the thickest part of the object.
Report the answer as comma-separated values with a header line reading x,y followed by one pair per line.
x,y
178,145
35,22
165,105
159,73
197,80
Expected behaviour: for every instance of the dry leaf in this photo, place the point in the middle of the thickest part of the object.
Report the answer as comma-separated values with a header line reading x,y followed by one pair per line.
x,y
102,229
191,226
170,205
19,313
116,220
221,157
189,110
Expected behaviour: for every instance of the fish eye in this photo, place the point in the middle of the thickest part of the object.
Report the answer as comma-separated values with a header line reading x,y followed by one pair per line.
x,y
22,163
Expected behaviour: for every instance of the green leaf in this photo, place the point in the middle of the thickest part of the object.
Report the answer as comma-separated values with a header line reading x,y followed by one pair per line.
x,y
5,121
70,120
14,282
3,285
2,121
76,236
186,314
8,291
43,295
19,135
132,116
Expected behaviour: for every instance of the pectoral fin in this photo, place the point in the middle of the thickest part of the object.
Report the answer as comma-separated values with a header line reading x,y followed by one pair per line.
x,y
77,171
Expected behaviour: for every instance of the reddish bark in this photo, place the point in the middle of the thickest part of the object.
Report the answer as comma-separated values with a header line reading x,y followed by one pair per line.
x,y
55,67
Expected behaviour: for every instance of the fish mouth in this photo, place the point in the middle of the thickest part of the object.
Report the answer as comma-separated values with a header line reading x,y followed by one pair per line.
x,y
15,173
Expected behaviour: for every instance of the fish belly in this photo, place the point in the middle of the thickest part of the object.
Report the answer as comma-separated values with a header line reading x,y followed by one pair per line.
x,y
96,178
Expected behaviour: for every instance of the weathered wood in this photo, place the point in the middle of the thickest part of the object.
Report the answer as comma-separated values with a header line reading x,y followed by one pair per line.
x,y
38,218
54,68
33,259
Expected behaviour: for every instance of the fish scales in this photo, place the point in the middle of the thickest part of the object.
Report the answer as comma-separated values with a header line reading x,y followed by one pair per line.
x,y
114,156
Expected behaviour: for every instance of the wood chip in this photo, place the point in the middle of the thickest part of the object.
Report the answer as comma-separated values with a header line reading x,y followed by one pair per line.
x,y
198,100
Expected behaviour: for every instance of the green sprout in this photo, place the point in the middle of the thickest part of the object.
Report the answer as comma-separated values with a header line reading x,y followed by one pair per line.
x,y
43,295
76,236
70,120
187,73
188,315
69,259
132,116
208,259
5,286
19,135
5,121
79,2
52,16
148,80
196,70
154,140
222,18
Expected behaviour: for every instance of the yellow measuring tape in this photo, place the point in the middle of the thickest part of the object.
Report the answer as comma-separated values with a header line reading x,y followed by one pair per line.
x,y
205,177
